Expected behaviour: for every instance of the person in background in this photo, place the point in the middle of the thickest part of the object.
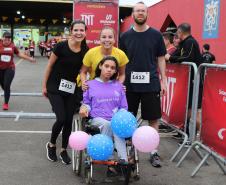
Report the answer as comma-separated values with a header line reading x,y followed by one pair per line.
x,y
168,40
207,56
32,48
188,51
7,65
60,87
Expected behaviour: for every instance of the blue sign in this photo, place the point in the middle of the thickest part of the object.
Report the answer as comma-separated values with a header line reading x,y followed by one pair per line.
x,y
211,19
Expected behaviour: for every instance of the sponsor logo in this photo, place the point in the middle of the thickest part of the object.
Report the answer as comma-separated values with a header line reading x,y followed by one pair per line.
x,y
108,20
88,19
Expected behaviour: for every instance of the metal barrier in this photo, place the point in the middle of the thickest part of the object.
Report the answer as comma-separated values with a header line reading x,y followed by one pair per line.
x,y
207,142
181,125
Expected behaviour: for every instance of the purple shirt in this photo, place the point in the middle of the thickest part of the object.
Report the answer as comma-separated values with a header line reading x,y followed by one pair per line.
x,y
104,98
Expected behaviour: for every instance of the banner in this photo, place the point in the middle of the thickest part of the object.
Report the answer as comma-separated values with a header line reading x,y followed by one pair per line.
x,y
42,21
29,20
54,21
96,15
211,19
174,103
16,19
213,131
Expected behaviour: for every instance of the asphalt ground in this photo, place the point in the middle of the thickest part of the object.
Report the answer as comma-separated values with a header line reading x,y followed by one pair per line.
x,y
23,155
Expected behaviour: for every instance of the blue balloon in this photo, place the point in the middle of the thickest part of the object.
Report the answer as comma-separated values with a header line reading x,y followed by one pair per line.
x,y
100,147
123,124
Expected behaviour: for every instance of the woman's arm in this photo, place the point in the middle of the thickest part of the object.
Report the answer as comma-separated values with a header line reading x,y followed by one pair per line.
x,y
22,55
83,75
122,76
48,70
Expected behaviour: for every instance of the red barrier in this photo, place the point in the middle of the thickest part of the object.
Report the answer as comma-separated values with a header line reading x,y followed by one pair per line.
x,y
97,15
174,103
213,131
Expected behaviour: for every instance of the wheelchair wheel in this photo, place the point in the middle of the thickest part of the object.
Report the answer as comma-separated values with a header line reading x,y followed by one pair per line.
x,y
77,161
76,155
88,170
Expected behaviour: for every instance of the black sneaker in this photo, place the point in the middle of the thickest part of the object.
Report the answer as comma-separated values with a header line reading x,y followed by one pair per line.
x,y
51,153
64,157
155,160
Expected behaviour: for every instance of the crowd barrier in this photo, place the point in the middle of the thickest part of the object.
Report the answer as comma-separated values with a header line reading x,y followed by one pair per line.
x,y
175,103
213,124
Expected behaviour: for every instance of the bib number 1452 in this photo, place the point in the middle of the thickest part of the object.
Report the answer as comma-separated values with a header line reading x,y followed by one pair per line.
x,y
140,77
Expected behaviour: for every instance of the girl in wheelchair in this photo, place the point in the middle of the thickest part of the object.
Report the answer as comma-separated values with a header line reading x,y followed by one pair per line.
x,y
104,97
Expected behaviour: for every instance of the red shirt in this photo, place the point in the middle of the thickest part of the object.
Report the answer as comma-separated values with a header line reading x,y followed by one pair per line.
x,y
6,55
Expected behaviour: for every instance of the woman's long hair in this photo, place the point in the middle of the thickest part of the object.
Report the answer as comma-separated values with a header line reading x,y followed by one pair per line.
x,y
98,70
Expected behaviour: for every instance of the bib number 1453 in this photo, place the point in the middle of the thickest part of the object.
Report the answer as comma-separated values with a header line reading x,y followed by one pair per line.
x,y
67,86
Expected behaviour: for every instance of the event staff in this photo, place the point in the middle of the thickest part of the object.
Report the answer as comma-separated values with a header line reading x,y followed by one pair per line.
x,y
59,85
7,66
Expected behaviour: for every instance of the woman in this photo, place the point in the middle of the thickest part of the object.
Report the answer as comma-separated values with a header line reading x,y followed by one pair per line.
x,y
60,87
7,66
96,54
103,98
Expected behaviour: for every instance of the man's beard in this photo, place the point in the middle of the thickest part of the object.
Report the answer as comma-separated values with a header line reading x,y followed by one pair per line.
x,y
140,22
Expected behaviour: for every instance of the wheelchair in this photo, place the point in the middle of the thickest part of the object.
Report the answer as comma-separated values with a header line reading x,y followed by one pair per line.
x,y
81,161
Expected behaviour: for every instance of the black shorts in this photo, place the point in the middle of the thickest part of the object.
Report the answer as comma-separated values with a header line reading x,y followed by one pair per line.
x,y
150,104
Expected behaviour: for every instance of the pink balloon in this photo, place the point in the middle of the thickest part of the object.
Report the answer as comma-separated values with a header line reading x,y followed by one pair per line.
x,y
145,139
78,140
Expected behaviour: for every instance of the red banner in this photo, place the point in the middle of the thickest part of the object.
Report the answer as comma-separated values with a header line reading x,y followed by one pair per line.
x,y
213,133
174,104
97,15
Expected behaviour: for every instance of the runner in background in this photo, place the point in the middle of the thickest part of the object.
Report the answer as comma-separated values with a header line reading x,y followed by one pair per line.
x,y
7,66
145,49
59,85
48,49
41,47
32,48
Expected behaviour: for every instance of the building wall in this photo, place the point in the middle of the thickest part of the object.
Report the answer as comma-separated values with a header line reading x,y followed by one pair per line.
x,y
190,11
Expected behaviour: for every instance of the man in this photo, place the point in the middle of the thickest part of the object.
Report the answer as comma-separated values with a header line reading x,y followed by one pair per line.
x,y
145,49
206,55
188,51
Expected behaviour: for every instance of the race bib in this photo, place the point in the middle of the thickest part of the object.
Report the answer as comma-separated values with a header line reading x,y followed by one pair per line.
x,y
140,77
67,86
31,49
5,58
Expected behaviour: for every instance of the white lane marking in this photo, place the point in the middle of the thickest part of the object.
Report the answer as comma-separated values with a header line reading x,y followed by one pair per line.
x,y
25,131
19,62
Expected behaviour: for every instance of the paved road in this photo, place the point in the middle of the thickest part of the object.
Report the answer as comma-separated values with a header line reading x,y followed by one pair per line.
x,y
23,154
